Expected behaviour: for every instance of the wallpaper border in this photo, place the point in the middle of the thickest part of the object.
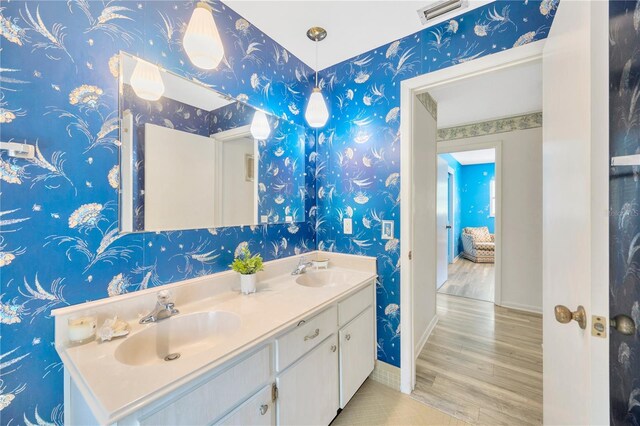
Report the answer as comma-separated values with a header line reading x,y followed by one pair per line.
x,y
501,125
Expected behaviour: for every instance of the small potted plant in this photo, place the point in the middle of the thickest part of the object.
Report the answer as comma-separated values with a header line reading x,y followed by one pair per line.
x,y
247,265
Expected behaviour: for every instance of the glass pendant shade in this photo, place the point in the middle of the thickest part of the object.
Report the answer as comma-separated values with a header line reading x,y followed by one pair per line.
x,y
260,126
201,40
146,81
317,113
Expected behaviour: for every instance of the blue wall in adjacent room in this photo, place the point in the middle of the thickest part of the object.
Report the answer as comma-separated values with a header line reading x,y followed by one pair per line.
x,y
475,194
59,242
359,149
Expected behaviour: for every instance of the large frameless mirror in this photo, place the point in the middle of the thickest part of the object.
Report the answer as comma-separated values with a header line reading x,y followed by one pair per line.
x,y
194,158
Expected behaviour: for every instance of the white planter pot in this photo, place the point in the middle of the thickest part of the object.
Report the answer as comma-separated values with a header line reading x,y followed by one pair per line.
x,y
248,283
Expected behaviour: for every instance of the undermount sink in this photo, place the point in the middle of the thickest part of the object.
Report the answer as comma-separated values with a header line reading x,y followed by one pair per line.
x,y
322,278
177,337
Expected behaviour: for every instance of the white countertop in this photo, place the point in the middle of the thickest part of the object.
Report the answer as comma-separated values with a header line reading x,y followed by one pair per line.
x,y
114,390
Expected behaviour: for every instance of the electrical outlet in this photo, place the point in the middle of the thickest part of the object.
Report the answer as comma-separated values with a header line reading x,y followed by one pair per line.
x,y
348,226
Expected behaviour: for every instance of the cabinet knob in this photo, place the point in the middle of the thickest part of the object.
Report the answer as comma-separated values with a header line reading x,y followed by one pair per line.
x,y
333,348
263,409
348,337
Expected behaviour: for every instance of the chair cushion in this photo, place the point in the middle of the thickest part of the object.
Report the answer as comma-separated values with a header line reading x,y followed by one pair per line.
x,y
480,234
485,246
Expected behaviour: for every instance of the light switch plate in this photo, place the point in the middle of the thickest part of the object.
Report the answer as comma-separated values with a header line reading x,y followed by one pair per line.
x,y
387,232
347,224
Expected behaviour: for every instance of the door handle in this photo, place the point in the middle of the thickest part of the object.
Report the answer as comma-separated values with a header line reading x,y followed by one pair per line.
x,y
448,227
564,315
623,324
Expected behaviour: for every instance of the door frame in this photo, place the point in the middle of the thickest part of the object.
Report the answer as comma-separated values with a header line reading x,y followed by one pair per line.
x,y
409,89
451,207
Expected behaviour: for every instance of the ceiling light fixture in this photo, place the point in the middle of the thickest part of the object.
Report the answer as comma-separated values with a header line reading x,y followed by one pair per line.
x,y
202,40
146,81
260,129
316,113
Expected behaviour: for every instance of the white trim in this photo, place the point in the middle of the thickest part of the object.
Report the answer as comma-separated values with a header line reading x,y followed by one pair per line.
x,y
425,336
451,207
238,132
409,89
460,145
521,307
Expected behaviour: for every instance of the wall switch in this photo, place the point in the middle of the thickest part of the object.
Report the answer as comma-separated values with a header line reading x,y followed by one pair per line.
x,y
348,225
264,218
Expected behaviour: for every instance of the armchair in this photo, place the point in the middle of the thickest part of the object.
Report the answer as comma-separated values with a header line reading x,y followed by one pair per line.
x,y
479,245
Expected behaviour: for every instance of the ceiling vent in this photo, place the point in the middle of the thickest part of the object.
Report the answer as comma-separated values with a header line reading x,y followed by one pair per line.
x,y
438,10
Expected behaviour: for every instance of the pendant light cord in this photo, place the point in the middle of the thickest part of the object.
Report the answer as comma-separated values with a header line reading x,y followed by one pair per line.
x,y
316,63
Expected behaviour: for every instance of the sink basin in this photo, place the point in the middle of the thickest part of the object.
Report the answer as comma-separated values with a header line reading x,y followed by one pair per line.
x,y
324,278
177,337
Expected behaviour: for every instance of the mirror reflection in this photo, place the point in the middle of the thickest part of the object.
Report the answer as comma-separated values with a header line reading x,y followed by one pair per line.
x,y
193,158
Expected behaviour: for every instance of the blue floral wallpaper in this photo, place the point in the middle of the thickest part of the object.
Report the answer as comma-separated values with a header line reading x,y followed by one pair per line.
x,y
358,166
624,192
59,243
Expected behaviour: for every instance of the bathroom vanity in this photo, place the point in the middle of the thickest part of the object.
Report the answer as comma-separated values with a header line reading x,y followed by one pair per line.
x,y
293,353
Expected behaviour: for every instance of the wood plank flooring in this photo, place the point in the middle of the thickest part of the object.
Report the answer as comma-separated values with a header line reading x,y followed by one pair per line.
x,y
469,279
483,363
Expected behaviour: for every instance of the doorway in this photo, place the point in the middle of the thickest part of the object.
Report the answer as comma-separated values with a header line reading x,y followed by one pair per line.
x,y
446,355
469,205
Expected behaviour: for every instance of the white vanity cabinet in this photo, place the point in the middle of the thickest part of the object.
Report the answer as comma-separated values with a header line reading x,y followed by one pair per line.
x,y
308,390
302,374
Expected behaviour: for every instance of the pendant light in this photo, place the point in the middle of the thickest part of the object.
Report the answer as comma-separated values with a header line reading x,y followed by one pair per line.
x,y
316,113
146,81
201,39
260,129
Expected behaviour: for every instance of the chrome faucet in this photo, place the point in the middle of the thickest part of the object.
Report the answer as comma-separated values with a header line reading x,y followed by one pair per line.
x,y
302,266
164,309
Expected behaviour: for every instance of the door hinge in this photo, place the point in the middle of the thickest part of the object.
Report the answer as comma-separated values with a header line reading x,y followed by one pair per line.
x,y
410,254
274,392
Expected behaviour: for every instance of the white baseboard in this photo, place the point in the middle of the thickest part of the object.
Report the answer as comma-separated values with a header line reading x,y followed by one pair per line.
x,y
425,336
521,307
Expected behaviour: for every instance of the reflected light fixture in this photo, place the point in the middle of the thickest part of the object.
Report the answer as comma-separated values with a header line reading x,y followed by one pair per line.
x,y
202,40
316,113
260,126
146,81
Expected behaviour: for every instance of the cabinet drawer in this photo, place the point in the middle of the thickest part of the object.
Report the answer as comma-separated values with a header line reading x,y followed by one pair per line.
x,y
349,308
259,410
305,337
210,400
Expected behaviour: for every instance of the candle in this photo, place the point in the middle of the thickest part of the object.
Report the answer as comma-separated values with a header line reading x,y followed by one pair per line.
x,y
81,329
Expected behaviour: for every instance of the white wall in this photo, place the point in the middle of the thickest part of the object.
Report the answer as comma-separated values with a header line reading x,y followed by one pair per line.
x,y
238,194
424,223
521,215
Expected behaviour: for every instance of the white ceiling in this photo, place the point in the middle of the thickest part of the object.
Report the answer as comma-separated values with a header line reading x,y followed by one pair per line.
x,y
511,91
353,26
180,89
481,156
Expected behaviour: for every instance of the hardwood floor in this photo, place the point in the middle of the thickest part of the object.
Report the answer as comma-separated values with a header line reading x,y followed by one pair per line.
x,y
483,363
469,279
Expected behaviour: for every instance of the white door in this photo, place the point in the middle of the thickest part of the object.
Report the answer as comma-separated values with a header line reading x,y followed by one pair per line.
x,y
308,390
356,354
442,221
575,221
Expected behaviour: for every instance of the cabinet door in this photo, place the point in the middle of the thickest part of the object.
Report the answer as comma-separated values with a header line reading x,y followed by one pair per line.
x,y
256,411
357,354
308,390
